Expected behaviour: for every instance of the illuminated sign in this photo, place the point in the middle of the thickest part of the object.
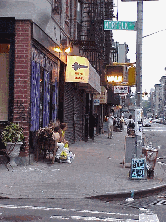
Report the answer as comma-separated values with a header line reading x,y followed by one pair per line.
x,y
114,74
114,78
77,69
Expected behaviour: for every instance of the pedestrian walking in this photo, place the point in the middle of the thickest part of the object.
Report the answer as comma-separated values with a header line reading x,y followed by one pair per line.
x,y
110,125
130,126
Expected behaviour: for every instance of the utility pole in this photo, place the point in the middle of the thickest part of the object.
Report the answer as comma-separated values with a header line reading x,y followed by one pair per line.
x,y
139,53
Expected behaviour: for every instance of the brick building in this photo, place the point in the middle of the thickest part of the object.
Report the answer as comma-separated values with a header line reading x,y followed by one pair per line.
x,y
33,72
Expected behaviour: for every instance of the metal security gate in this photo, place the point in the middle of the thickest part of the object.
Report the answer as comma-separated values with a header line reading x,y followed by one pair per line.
x,y
79,115
69,111
74,112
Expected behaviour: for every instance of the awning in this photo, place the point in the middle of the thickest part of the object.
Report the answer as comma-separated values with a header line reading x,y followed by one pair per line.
x,y
81,71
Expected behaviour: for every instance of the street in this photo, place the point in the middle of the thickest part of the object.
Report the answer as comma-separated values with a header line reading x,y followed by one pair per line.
x,y
82,209
157,135
86,209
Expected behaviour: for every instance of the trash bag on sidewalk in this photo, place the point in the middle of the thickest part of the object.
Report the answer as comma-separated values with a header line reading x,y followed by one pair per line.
x,y
151,156
64,155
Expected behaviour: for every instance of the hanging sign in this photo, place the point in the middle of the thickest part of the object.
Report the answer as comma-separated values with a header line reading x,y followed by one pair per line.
x,y
77,69
121,89
96,102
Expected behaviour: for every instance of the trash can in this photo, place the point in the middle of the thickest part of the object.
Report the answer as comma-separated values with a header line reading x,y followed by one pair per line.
x,y
151,154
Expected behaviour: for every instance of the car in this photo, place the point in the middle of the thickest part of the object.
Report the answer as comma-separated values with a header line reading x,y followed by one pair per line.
x,y
159,120
146,122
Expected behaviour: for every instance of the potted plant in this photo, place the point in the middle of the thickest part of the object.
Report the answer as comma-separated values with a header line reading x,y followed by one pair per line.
x,y
12,136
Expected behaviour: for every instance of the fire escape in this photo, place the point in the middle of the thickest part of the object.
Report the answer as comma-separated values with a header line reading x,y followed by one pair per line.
x,y
96,44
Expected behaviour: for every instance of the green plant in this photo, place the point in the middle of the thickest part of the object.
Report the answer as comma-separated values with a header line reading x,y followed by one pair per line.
x,y
12,133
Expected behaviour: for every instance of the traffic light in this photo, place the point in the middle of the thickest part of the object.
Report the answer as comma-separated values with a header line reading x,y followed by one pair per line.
x,y
114,74
132,76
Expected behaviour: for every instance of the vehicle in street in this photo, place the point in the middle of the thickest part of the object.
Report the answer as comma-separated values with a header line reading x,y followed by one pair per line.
x,y
159,120
146,122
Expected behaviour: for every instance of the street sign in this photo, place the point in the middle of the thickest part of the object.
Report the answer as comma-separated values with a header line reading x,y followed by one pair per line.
x,y
119,25
121,89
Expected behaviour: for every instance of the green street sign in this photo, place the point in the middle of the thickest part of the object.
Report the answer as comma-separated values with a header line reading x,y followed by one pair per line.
x,y
118,25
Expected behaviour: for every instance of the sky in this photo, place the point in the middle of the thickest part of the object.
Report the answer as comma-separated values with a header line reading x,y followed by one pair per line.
x,y
153,46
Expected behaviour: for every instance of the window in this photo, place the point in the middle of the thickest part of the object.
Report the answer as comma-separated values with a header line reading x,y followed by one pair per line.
x,y
56,7
4,81
79,12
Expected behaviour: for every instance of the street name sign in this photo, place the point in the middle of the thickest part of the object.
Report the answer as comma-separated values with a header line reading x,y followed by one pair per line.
x,y
119,25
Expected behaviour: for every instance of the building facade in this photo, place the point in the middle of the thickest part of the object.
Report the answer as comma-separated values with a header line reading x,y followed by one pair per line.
x,y
158,99
33,74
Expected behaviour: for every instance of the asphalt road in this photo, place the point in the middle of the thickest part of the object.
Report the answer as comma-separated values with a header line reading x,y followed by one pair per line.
x,y
58,210
157,135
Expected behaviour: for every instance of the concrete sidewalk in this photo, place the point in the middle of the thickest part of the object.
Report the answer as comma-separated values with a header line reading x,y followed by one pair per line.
x,y
96,171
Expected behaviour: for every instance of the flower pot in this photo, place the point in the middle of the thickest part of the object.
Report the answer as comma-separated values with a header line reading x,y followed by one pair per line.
x,y
13,150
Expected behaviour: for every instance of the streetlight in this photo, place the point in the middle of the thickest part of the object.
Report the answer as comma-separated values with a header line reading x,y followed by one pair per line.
x,y
66,50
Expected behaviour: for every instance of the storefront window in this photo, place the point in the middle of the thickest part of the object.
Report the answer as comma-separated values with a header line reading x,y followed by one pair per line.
x,y
44,90
4,81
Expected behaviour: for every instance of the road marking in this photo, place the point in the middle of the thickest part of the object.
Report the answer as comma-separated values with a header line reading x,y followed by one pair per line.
x,y
159,202
148,218
161,163
86,218
62,209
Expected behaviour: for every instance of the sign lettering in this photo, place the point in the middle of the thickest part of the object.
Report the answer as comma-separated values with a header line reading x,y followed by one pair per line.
x,y
119,25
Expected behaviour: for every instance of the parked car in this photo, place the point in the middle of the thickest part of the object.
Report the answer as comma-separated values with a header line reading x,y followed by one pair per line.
x,y
159,120
146,122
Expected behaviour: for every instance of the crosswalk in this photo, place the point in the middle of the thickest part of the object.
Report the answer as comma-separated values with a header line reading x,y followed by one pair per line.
x,y
62,214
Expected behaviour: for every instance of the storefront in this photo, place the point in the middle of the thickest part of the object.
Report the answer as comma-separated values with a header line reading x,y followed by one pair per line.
x,y
81,82
7,52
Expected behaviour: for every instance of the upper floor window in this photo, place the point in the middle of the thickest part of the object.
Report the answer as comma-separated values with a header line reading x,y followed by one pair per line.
x,y
4,80
79,12
56,7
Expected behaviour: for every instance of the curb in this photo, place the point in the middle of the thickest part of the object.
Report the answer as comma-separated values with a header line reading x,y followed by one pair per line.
x,y
127,194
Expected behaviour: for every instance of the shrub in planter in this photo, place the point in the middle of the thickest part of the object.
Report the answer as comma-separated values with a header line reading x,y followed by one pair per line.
x,y
12,133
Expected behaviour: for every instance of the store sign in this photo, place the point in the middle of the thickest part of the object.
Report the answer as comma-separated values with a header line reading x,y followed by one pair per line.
x,y
96,102
121,89
138,168
94,78
77,69
101,97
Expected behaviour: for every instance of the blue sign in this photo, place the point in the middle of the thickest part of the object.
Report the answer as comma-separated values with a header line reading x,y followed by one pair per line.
x,y
138,168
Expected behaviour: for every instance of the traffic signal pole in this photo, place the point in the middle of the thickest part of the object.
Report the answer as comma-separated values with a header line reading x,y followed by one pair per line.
x,y
139,53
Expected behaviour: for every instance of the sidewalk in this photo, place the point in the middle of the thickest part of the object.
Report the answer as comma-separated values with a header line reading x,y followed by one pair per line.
x,y
95,171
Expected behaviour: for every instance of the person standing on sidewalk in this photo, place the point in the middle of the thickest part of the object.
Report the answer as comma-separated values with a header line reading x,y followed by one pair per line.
x,y
110,125
56,137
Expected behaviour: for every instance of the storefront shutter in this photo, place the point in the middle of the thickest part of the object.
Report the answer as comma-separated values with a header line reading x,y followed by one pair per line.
x,y
73,112
69,112
79,114
35,96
